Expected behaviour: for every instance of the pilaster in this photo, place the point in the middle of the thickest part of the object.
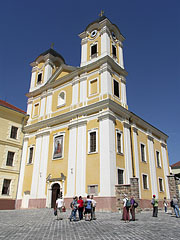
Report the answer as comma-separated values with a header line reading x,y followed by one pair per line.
x,y
165,168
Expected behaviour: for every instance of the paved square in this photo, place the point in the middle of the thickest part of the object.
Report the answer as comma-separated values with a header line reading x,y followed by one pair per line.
x,y
42,224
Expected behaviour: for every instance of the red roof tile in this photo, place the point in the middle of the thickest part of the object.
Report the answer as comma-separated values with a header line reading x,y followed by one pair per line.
x,y
176,165
8,105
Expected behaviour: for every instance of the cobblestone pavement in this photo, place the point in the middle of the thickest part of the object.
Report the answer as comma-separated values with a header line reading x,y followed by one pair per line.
x,y
42,224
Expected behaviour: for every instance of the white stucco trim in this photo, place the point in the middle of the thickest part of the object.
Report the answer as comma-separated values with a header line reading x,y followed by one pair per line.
x,y
121,61
47,72
105,42
165,169
143,182
83,52
90,131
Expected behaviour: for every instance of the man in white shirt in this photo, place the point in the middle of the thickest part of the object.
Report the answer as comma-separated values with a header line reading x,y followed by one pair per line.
x,y
93,208
59,205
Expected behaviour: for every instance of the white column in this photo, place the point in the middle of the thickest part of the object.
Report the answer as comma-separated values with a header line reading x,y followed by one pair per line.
x,y
75,90
22,168
123,92
106,79
71,161
105,42
121,61
165,168
127,153
83,52
49,102
47,71
33,78
136,157
36,166
83,89
152,165
107,155
81,160
29,108
43,166
43,104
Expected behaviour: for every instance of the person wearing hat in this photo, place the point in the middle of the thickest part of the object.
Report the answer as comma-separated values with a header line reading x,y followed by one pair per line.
x,y
126,216
176,207
154,202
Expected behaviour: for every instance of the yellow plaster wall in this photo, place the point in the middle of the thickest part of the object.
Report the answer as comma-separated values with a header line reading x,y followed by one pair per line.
x,y
62,74
93,77
92,160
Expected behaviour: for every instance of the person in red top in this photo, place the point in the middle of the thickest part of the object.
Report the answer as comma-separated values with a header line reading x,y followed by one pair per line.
x,y
80,207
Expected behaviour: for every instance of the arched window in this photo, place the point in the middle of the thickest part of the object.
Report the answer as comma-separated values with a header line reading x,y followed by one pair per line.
x,y
61,99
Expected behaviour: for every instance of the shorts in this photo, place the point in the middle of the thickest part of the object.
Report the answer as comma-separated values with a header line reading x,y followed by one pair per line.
x,y
87,211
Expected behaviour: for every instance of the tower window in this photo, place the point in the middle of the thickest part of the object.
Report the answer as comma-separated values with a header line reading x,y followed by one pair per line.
x,y
6,187
14,132
116,88
94,50
120,176
39,78
10,158
114,51
61,99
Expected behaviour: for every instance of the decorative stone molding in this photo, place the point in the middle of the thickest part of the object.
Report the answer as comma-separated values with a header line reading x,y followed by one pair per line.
x,y
107,115
43,132
126,124
105,67
150,138
77,123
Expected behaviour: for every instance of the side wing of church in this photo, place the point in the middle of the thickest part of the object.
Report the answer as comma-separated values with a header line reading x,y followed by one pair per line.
x,y
81,138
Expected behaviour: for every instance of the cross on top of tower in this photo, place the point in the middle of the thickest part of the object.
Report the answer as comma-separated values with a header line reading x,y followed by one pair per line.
x,y
101,13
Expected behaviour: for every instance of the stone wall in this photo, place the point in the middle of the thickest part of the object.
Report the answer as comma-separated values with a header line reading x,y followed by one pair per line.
x,y
173,186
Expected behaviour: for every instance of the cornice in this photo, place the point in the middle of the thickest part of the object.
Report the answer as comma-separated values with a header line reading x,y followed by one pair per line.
x,y
43,132
106,115
150,138
76,123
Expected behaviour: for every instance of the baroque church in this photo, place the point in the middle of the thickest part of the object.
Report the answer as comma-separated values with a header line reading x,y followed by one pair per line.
x,y
81,138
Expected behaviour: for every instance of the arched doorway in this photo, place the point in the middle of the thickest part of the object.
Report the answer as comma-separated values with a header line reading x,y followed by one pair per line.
x,y
55,192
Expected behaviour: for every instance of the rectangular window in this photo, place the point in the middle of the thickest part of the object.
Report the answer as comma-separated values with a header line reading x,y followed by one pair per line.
x,y
143,158
31,150
58,146
93,142
161,189
120,176
114,51
36,109
158,159
10,158
93,190
116,88
119,143
14,132
39,78
93,87
6,187
94,50
145,181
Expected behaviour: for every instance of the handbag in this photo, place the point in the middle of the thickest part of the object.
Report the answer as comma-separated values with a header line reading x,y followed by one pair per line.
x,y
63,209
135,204
55,212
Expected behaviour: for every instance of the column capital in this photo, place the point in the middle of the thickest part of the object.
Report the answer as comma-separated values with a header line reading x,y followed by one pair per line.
x,y
107,115
150,137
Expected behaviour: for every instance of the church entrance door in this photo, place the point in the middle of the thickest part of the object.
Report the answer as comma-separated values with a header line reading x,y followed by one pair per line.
x,y
55,193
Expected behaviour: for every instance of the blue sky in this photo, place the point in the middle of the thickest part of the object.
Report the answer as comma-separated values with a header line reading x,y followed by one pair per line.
x,y
151,51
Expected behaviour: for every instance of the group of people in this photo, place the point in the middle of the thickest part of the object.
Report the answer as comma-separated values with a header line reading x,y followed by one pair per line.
x,y
173,204
84,207
129,206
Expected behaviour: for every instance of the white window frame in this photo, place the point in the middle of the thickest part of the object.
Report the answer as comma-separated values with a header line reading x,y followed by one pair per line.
x,y
14,158
90,131
56,135
39,83
31,146
96,189
61,102
145,160
162,184
18,129
93,56
123,174
147,181
9,194
114,57
118,87
160,166
90,86
122,147
34,109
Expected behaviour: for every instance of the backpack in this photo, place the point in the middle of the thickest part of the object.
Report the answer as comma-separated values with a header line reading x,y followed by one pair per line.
x,y
128,203
88,204
171,203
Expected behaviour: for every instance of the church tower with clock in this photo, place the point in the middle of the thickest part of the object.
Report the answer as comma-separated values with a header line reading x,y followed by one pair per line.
x,y
81,138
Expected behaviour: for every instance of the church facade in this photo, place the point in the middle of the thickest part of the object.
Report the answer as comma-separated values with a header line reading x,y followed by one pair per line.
x,y
80,137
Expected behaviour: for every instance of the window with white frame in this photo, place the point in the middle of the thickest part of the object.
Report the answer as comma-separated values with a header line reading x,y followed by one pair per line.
x,y
94,50
93,190
116,88
145,181
58,146
92,141
6,187
14,132
143,152
10,158
158,159
61,99
161,186
39,78
114,52
30,157
119,138
120,175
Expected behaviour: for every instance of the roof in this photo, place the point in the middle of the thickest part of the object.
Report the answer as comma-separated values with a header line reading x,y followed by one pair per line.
x,y
176,165
10,106
52,52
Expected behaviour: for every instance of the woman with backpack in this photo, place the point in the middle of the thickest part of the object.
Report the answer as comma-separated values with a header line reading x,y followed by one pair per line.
x,y
126,207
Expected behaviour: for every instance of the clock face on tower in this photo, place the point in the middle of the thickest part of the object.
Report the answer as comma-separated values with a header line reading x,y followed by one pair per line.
x,y
113,35
93,33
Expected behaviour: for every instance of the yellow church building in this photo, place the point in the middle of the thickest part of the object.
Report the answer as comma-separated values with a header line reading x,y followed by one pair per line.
x,y
81,138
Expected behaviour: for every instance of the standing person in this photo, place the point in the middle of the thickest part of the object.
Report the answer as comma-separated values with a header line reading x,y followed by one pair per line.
x,y
59,205
93,208
132,208
176,207
88,207
80,207
165,204
126,217
74,206
154,202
